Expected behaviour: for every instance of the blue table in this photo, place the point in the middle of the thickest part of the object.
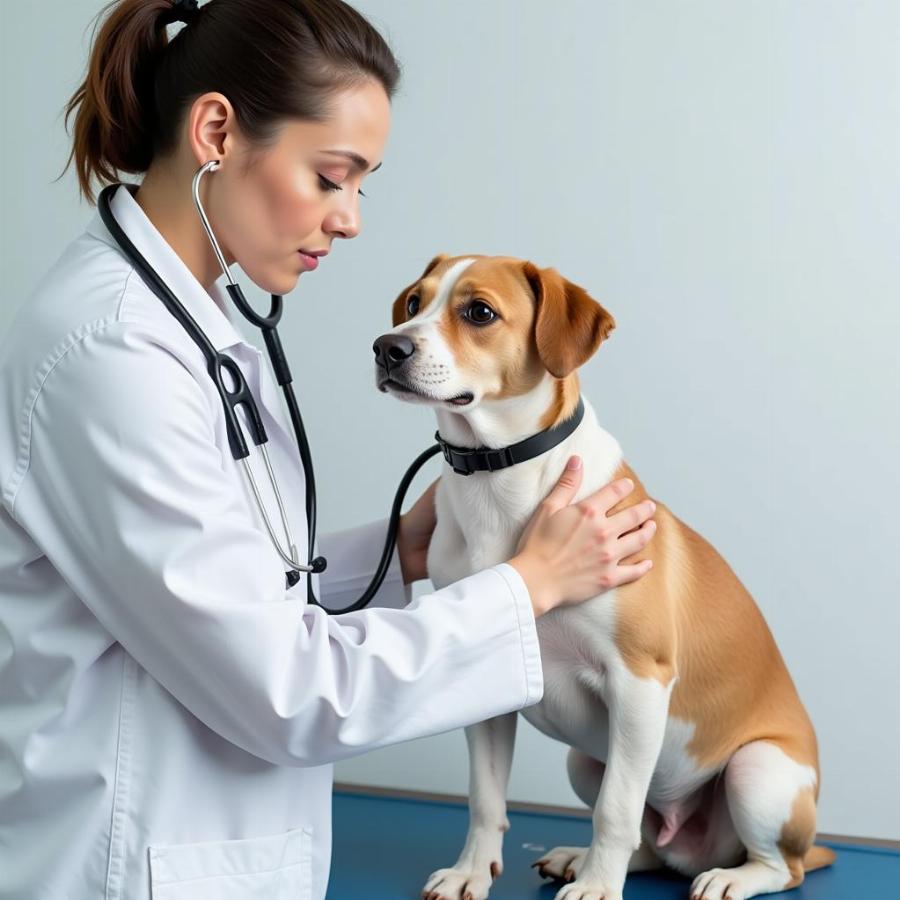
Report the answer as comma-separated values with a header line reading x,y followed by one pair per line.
x,y
385,848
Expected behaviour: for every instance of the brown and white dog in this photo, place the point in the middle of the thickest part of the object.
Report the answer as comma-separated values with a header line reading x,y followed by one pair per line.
x,y
687,736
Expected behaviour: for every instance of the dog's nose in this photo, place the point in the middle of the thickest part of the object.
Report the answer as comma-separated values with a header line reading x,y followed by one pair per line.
x,y
392,349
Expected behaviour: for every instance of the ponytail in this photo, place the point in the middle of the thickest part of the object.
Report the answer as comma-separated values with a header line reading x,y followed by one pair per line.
x,y
113,125
273,59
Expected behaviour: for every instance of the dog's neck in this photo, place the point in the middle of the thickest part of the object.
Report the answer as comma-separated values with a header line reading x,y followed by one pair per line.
x,y
499,423
487,513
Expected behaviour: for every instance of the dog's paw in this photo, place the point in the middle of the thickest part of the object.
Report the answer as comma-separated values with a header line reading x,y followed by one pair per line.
x,y
718,884
561,862
460,884
588,890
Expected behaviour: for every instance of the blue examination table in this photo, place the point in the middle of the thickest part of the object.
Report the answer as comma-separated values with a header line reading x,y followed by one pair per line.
x,y
385,848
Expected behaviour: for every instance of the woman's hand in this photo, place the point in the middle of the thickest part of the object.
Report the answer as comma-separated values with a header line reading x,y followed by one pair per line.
x,y
414,535
570,552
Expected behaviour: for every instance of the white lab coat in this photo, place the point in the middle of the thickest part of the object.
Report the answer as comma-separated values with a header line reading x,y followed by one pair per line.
x,y
169,712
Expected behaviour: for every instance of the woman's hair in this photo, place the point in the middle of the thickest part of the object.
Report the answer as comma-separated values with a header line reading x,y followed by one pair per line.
x,y
273,59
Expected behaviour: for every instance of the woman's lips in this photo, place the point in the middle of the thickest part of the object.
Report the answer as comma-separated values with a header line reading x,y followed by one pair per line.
x,y
310,262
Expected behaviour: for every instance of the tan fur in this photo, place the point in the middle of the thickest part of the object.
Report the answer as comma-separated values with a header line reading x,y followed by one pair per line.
x,y
517,370
817,857
732,681
570,324
565,400
797,836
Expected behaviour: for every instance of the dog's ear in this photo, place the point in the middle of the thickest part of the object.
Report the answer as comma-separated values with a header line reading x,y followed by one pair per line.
x,y
398,310
434,263
570,325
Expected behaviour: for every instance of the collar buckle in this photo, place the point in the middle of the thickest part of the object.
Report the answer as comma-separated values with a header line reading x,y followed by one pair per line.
x,y
465,460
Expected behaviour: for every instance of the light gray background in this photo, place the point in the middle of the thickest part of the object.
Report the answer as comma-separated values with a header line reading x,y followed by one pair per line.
x,y
720,175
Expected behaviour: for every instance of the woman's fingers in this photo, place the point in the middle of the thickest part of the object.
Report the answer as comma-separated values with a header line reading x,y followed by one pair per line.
x,y
566,488
630,518
625,574
632,543
604,499
624,533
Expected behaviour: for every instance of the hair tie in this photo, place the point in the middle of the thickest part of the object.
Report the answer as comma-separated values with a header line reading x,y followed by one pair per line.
x,y
183,11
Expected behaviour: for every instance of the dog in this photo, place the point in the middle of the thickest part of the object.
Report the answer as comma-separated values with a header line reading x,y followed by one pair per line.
x,y
687,736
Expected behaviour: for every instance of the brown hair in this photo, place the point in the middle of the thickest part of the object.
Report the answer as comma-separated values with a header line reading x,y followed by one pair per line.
x,y
273,60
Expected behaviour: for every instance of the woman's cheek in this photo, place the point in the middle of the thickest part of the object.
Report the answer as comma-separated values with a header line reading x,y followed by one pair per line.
x,y
267,227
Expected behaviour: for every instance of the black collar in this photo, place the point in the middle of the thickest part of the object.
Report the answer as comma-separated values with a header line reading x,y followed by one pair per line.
x,y
466,460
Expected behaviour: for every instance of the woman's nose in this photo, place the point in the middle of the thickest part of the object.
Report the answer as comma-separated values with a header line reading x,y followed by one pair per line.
x,y
345,221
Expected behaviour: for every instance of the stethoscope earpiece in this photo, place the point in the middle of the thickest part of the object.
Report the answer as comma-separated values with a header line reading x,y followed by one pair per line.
x,y
210,166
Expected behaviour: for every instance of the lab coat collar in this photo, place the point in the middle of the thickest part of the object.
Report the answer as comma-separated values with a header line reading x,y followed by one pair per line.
x,y
210,310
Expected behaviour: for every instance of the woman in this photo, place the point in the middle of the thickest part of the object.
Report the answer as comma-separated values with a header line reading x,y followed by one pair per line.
x,y
171,709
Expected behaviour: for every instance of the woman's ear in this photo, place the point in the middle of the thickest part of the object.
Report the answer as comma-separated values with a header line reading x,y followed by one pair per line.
x,y
570,325
211,128
398,310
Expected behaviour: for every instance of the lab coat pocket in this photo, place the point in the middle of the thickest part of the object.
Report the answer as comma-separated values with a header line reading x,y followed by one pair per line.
x,y
272,867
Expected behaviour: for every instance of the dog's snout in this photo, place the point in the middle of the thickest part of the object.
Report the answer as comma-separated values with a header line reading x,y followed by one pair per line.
x,y
392,350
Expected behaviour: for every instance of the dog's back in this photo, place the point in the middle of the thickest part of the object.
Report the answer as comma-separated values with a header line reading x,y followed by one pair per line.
x,y
691,608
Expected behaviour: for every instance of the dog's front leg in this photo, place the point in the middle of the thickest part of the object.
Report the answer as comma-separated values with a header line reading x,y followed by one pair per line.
x,y
638,708
481,860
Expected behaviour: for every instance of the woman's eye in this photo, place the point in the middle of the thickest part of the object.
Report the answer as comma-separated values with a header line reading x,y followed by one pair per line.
x,y
412,306
328,185
480,313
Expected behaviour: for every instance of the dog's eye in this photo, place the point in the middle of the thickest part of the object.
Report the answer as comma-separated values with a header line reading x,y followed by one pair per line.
x,y
412,305
480,313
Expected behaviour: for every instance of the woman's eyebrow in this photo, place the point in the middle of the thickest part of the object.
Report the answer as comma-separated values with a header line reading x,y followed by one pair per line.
x,y
359,161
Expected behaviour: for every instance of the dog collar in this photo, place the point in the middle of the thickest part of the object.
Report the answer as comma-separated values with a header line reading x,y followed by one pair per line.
x,y
466,460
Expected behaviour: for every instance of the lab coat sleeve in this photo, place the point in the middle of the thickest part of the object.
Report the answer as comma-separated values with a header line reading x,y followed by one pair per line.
x,y
353,556
129,495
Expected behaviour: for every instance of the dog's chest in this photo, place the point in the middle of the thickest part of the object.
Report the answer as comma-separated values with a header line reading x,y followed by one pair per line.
x,y
577,646
578,654
481,517
478,525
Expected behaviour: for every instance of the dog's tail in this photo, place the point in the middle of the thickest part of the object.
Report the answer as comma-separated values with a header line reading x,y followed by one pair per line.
x,y
817,857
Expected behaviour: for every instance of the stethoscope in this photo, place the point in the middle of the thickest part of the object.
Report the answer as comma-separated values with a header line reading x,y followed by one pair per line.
x,y
216,361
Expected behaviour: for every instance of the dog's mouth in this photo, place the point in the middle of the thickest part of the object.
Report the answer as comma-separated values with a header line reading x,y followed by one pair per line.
x,y
459,400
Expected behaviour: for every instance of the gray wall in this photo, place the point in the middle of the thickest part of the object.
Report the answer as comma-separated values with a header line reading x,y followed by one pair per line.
x,y
722,176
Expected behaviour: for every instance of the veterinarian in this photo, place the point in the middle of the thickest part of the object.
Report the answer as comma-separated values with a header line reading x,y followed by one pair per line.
x,y
169,706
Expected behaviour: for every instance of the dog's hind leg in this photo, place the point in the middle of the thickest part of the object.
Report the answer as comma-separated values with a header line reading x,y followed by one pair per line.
x,y
771,801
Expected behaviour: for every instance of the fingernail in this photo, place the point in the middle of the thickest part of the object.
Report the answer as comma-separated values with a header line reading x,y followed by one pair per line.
x,y
574,463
